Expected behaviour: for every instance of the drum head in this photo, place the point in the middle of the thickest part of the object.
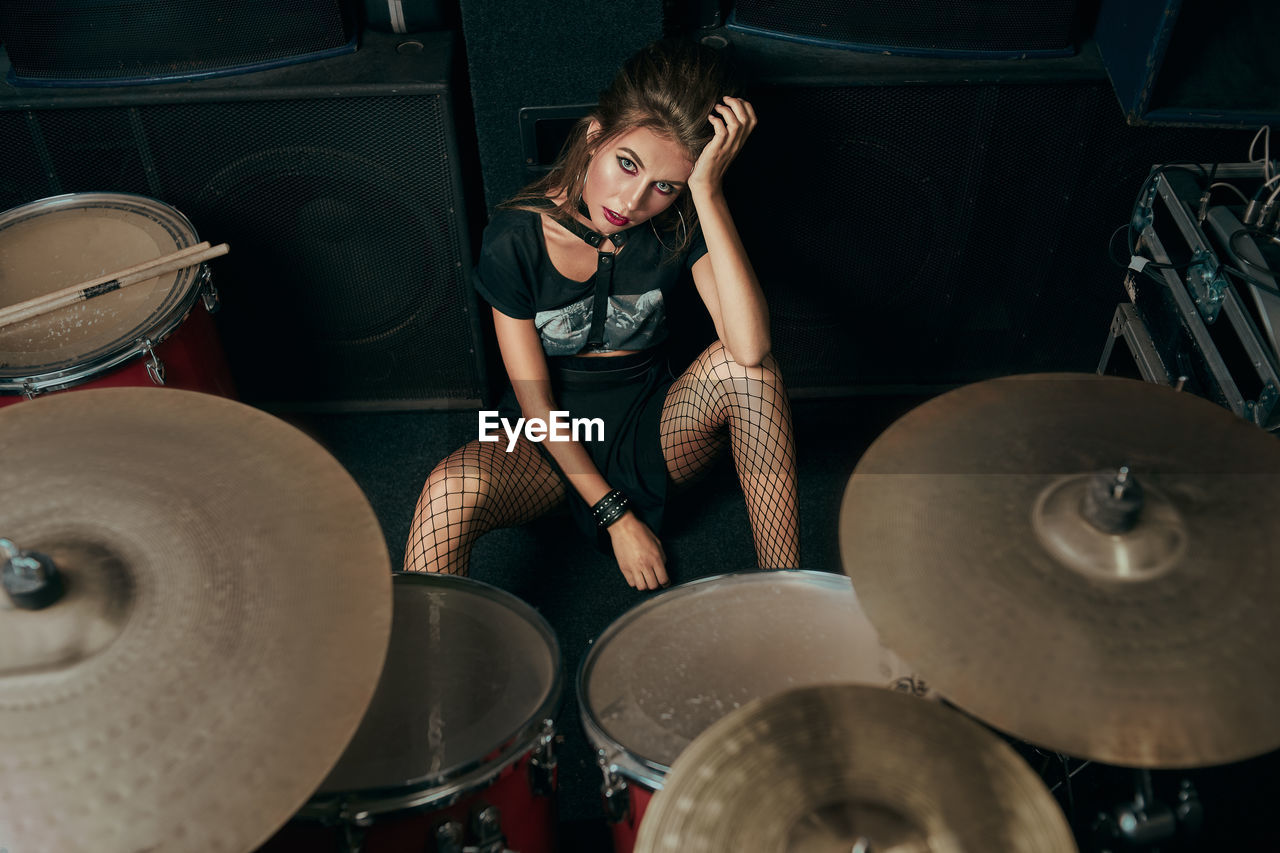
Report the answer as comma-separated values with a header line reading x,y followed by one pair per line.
x,y
65,240
471,672
669,668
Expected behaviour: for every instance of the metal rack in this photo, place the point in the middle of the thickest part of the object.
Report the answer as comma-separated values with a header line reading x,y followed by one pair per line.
x,y
1193,326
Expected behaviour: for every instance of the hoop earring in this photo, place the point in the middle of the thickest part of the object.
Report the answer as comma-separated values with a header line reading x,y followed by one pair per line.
x,y
684,228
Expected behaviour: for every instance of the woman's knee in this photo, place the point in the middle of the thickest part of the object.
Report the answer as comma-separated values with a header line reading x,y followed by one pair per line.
x,y
456,482
729,376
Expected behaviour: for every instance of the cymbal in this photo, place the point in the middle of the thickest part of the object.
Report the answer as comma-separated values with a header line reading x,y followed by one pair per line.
x,y
965,528
850,767
226,612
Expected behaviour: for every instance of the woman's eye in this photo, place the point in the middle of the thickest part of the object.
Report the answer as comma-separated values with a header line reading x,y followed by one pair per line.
x,y
627,166
664,187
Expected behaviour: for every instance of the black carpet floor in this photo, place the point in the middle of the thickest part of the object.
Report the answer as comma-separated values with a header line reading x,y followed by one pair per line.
x,y
581,592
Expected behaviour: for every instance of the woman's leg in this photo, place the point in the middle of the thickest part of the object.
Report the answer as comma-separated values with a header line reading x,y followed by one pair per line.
x,y
714,393
477,488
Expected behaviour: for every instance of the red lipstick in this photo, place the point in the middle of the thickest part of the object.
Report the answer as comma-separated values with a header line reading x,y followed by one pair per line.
x,y
613,218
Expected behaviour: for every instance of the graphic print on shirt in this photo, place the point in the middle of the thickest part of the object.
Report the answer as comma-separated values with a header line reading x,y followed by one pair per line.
x,y
632,322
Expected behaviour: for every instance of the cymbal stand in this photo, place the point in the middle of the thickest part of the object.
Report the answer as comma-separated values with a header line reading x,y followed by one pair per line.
x,y
1145,821
1067,775
30,578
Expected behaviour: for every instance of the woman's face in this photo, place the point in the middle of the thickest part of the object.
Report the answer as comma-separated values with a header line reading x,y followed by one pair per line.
x,y
633,178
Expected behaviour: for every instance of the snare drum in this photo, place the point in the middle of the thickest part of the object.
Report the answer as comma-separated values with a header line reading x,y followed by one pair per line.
x,y
672,666
456,750
143,334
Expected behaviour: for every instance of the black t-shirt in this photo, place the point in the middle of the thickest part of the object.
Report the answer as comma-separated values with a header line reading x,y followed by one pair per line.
x,y
516,276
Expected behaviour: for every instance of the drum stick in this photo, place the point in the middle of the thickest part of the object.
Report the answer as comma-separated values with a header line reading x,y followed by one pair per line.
x,y
58,295
188,257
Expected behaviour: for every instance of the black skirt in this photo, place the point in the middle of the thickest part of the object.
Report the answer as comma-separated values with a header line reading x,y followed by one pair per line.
x,y
626,393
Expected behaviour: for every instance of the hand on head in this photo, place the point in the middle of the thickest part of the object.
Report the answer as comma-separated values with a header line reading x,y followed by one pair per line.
x,y
733,120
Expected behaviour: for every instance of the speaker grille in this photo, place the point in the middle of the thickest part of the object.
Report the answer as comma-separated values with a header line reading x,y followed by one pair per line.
x,y
347,281
918,25
940,234
54,41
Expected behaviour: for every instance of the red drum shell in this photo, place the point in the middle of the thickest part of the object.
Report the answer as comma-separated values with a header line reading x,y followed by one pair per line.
x,y
528,822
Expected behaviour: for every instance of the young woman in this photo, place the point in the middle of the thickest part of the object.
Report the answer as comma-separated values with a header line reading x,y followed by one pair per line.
x,y
578,269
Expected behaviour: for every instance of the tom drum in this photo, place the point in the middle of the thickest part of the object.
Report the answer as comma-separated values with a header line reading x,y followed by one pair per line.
x,y
456,751
670,667
147,333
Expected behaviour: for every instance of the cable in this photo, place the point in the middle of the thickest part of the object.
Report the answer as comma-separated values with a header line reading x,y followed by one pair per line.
x,y
1203,210
1156,172
1255,211
1266,150
1111,243
1247,279
1146,268
1231,244
1265,217
1233,188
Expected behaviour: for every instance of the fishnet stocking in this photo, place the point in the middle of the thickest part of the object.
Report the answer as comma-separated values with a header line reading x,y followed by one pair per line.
x,y
477,488
481,487
716,392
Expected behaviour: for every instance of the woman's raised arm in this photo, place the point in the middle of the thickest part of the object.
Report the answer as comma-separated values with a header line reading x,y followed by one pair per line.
x,y
724,277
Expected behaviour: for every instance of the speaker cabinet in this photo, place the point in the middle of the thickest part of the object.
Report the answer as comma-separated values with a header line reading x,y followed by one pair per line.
x,y
1193,61
530,53
81,42
923,234
991,28
338,186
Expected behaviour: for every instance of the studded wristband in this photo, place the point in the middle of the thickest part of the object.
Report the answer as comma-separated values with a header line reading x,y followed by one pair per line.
x,y
609,508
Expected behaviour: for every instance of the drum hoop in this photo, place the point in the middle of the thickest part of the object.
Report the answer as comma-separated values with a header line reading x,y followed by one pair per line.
x,y
168,316
621,759
438,792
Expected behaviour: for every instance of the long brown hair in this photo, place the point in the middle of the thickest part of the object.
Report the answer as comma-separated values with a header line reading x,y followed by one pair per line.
x,y
668,87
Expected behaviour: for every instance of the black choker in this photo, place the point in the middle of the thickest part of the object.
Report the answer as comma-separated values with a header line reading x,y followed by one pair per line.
x,y
592,238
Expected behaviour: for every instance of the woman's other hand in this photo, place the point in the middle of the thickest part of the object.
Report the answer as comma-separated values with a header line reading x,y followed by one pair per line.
x,y
733,120
639,553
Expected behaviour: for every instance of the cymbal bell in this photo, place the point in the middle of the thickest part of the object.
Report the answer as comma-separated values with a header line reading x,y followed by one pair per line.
x,y
225,614
970,531
851,767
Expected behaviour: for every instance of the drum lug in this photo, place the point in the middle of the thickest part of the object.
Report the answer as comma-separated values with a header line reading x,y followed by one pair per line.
x,y
353,836
614,791
29,390
449,837
155,367
487,826
209,293
542,766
